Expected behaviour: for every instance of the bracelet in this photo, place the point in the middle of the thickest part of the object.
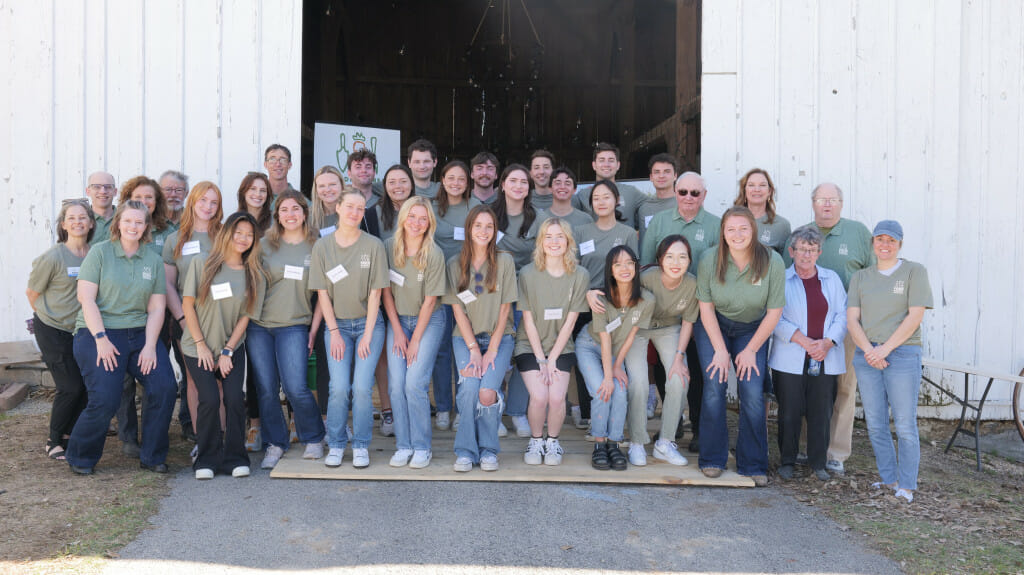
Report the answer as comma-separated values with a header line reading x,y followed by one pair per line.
x,y
471,346
681,351
332,329
199,341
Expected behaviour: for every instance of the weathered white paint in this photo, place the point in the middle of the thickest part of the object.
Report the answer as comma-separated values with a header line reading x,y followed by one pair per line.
x,y
132,87
915,109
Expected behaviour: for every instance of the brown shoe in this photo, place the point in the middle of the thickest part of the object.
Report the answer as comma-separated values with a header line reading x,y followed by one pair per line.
x,y
711,472
760,480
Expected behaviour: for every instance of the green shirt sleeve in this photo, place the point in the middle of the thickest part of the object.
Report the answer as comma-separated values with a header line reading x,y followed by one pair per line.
x,y
705,275
579,291
920,294
507,268
190,287
92,265
435,284
776,282
44,269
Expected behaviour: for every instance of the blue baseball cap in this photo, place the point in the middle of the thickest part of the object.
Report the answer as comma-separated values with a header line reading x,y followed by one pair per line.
x,y
890,228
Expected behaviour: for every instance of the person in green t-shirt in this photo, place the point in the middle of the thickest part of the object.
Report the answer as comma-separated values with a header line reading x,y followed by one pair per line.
x,y
121,288
349,270
416,328
397,189
757,193
481,291
52,293
323,210
741,289
886,304
563,187
219,295
607,231
542,164
552,294
254,198
606,166
689,219
422,159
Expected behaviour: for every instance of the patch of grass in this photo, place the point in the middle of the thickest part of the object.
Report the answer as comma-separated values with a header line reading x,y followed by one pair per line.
x,y
924,547
113,526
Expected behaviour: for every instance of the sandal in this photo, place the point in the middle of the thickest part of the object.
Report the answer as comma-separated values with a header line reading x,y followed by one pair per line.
x,y
55,451
618,459
599,459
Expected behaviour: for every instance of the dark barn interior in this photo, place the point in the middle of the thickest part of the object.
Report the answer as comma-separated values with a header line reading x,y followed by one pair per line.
x,y
509,76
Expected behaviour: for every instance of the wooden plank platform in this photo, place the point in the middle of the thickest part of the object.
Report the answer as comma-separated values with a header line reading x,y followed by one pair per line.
x,y
575,467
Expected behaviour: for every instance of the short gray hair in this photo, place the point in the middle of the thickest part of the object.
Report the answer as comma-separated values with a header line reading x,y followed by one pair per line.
x,y
814,192
176,175
808,234
703,185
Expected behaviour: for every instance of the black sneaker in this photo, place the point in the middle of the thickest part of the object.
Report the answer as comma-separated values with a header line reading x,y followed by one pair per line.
x,y
599,459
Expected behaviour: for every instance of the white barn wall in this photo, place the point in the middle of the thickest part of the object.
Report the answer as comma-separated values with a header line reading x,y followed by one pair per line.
x,y
915,109
130,87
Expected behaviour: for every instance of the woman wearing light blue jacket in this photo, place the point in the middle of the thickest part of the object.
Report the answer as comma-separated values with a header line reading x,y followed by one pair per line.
x,y
804,357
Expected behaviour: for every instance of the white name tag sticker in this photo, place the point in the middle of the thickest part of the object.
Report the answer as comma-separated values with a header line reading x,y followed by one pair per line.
x,y
337,274
501,234
647,221
190,248
613,325
221,291
396,278
73,271
587,247
460,234
328,231
293,272
552,313
467,297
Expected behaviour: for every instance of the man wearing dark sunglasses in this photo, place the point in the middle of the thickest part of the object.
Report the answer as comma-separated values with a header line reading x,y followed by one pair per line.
x,y
688,219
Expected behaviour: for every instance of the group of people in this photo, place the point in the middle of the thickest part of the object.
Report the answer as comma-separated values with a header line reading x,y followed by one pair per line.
x,y
503,282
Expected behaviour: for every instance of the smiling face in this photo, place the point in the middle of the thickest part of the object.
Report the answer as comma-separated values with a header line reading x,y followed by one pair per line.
x,y
422,165
540,171
77,222
663,174
516,185
605,165
757,190
146,195
290,214
455,181
562,187
328,188
174,190
362,173
556,243
397,185
350,209
256,194
687,204
482,230
484,174
206,207
243,237
416,223
805,255
277,164
603,200
887,248
100,190
623,268
675,261
132,225
738,233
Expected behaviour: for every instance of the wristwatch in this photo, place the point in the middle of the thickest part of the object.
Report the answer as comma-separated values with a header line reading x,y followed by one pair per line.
x,y
100,335
228,352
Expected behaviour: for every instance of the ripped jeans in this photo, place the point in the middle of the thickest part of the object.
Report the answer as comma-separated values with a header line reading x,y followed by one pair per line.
x,y
478,430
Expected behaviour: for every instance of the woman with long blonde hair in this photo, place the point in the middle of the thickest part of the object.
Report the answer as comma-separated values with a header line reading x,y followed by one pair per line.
x,y
757,193
327,187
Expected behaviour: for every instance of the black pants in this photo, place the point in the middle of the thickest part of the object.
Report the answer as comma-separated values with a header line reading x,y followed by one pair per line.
x,y
801,395
695,394
252,398
171,334
220,449
57,348
323,375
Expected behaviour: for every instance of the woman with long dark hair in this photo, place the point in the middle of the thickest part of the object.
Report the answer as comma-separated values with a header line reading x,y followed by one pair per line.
x,y
254,198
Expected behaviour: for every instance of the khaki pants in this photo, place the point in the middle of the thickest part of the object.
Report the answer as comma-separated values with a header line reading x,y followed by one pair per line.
x,y
665,341
840,443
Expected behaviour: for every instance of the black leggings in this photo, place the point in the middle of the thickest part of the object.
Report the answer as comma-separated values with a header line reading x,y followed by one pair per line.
x,y
215,453
56,346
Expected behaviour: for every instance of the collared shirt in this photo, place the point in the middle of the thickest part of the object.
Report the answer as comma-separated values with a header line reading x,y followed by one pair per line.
x,y
651,206
845,250
701,232
102,232
124,284
160,238
787,356
738,298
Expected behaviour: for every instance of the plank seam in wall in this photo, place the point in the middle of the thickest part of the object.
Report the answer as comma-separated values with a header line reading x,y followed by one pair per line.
x,y
1018,256
53,117
777,89
259,80
816,118
143,165
184,86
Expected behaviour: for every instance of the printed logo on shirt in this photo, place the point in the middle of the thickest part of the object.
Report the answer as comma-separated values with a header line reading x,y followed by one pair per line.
x,y
899,288
419,277
843,250
306,262
636,317
364,261
766,236
147,273
699,236
618,242
758,282
681,305
159,241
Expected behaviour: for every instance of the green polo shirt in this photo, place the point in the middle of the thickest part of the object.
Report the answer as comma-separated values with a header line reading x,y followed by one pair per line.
x,y
618,322
630,200
349,274
671,307
575,218
738,299
54,277
199,244
451,230
885,301
160,238
102,232
410,285
549,301
593,244
701,232
482,308
774,235
223,307
124,284
287,301
651,206
520,248
846,249
429,192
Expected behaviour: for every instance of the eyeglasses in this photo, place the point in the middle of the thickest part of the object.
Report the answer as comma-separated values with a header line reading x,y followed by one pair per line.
x,y
174,190
98,187
478,277
828,201
629,265
805,251
277,160
692,193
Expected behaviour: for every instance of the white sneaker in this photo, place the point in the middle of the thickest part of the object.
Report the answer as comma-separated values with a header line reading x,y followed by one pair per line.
x,y
334,457
455,422
204,474
313,451
441,421
835,466
463,464
420,459
652,400
900,494
502,430
272,456
577,416
522,425
534,451
665,450
489,462
400,458
637,455
360,457
552,452
240,471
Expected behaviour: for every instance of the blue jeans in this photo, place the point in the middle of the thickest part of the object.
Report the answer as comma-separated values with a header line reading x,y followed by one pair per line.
x,y
279,357
479,436
104,390
752,441
894,387
518,397
353,375
607,418
442,371
408,384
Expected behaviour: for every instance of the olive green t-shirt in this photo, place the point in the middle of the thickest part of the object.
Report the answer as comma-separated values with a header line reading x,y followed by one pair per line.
x,y
451,230
410,286
651,206
846,249
575,218
884,301
483,307
671,307
54,277
287,301
618,322
220,311
550,300
349,274
124,284
102,232
429,192
199,244
541,201
774,235
702,233
594,244
630,199
520,248
738,299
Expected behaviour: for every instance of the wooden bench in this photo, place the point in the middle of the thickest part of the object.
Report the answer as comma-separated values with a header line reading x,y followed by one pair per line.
x,y
965,403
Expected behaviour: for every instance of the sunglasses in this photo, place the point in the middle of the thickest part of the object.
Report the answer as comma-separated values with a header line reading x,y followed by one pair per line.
x,y
692,193
479,277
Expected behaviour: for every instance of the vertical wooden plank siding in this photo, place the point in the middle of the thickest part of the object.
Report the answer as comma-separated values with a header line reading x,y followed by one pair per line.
x,y
126,84
280,81
164,70
68,110
759,100
238,99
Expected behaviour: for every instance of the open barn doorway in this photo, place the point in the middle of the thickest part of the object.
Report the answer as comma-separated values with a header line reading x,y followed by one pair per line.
x,y
509,76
